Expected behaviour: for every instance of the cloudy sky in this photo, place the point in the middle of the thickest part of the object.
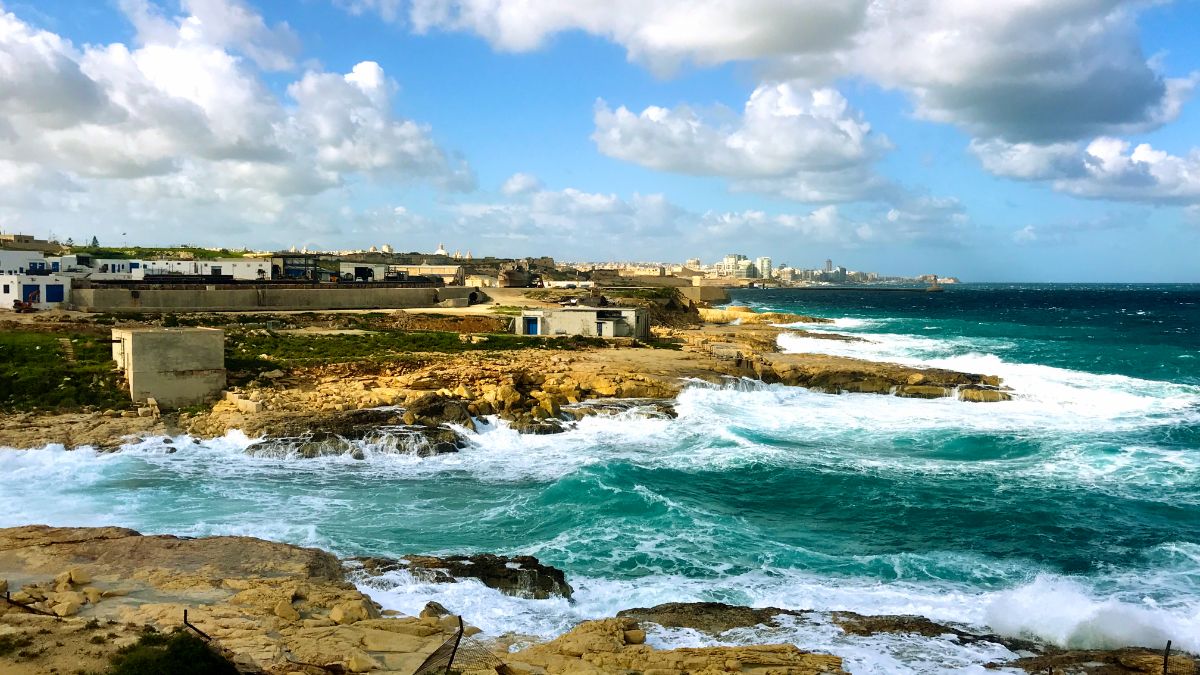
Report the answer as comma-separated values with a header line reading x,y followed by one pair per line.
x,y
1042,140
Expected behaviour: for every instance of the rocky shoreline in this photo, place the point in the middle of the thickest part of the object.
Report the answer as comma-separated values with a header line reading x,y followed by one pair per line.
x,y
79,594
320,410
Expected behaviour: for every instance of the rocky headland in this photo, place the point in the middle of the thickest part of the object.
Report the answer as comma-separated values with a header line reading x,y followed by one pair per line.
x,y
423,402
77,595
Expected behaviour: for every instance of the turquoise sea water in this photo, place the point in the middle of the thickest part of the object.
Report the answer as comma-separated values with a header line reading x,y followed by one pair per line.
x,y
1070,514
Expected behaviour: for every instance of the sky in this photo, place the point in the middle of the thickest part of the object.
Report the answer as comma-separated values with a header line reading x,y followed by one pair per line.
x,y
997,140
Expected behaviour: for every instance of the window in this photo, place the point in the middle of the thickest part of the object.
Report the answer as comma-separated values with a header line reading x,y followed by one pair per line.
x,y
6,289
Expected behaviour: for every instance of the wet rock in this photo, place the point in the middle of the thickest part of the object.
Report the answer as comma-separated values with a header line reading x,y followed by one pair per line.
x,y
522,576
434,609
434,409
1126,661
707,617
983,394
860,624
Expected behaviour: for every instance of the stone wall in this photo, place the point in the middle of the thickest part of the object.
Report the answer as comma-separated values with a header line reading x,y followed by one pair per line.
x,y
251,299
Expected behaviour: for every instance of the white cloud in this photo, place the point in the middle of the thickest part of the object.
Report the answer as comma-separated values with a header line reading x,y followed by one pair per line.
x,y
182,120
661,33
1106,168
520,183
224,24
923,219
1022,71
805,144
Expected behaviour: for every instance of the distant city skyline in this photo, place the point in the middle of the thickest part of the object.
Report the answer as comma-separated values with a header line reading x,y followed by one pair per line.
x,y
990,141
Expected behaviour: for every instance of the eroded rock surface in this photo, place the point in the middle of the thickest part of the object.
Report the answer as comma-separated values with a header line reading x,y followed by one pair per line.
x,y
616,646
522,576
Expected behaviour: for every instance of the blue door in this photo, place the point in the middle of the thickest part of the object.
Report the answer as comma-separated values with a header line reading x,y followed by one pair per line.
x,y
31,293
54,292
531,325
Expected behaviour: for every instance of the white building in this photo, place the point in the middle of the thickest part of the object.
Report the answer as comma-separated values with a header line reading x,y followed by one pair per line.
x,y
116,269
47,291
22,262
241,269
764,267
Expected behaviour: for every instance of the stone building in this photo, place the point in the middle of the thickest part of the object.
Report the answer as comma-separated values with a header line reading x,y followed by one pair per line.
x,y
176,367
606,322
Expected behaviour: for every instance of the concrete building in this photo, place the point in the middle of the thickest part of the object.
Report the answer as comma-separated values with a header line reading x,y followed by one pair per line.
x,y
26,242
604,322
452,275
117,269
176,367
241,269
22,262
362,272
44,291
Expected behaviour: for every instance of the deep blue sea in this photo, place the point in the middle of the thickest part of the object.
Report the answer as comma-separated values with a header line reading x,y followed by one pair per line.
x,y
1070,514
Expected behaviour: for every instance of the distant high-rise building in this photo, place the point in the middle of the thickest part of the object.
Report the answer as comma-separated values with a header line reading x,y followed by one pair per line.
x,y
692,263
828,265
764,267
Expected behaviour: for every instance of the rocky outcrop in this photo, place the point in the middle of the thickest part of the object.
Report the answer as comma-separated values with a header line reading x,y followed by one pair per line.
x,y
617,646
337,433
275,606
521,576
707,617
745,315
1127,661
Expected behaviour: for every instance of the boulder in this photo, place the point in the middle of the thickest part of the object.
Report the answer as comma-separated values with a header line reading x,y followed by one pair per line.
x,y
286,611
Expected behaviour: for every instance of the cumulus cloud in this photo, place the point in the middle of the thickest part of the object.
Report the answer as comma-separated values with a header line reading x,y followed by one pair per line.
x,y
801,143
520,183
1105,168
1021,71
937,221
183,116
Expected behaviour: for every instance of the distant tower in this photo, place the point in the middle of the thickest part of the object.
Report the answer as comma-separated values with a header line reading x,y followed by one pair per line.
x,y
765,270
828,265
441,250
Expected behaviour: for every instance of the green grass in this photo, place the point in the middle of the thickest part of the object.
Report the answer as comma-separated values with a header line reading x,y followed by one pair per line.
x,y
507,310
245,352
179,653
35,373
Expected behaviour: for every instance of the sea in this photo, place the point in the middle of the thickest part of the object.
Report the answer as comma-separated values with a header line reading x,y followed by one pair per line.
x,y
1070,514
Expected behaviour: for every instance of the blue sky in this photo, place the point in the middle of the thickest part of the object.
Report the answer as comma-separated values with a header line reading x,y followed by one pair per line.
x,y
1048,141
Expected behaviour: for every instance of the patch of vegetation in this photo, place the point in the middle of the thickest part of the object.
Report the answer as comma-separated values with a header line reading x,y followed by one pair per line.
x,y
246,352
147,252
179,653
660,343
36,373
12,643
98,640
664,293
507,310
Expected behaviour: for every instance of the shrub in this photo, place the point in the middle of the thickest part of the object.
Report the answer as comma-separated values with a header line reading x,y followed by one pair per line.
x,y
179,653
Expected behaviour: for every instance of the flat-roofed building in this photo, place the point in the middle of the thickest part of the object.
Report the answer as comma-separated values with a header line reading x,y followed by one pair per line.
x,y
176,367
605,322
